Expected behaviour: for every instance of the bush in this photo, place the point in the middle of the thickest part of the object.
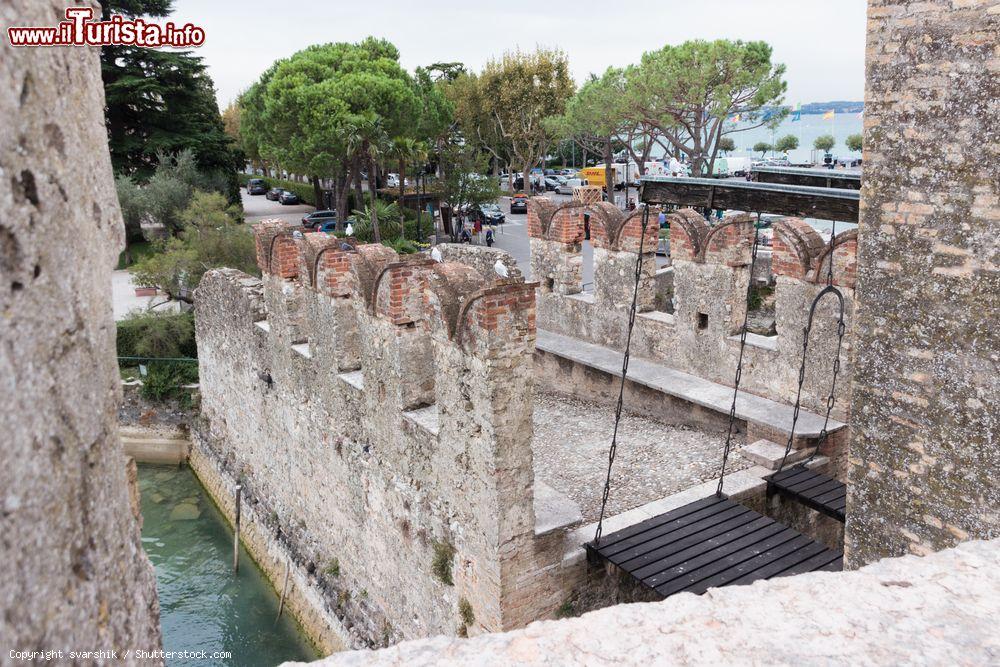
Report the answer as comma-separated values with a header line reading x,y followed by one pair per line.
x,y
165,379
158,335
444,553
303,190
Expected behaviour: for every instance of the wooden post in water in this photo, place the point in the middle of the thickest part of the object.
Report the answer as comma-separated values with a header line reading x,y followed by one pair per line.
x,y
284,588
236,532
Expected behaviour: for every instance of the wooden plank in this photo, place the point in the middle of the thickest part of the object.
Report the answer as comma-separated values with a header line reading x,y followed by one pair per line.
x,y
800,201
747,551
729,519
791,476
724,546
619,535
695,549
832,496
782,553
806,486
777,567
820,560
822,178
822,488
662,529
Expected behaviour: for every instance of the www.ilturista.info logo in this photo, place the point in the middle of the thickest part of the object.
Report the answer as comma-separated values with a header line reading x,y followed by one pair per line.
x,y
79,29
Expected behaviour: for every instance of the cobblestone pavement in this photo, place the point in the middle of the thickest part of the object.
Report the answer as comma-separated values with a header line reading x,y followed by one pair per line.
x,y
653,460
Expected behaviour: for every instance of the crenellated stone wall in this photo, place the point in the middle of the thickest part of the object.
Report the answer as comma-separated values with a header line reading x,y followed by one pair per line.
x,y
711,269
377,410
926,449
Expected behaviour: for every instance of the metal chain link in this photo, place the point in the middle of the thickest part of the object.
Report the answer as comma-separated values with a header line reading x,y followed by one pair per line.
x,y
621,389
739,363
831,398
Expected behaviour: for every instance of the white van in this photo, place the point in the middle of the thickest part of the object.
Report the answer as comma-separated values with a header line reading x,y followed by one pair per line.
x,y
567,187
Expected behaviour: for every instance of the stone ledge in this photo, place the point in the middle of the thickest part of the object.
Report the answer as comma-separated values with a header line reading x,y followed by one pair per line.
x,y
935,610
769,343
553,510
302,349
263,325
691,388
657,316
769,454
354,379
426,417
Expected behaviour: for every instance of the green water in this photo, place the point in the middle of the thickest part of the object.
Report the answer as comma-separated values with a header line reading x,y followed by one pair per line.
x,y
203,605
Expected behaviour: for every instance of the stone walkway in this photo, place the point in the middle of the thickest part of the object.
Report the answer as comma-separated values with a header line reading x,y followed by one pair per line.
x,y
653,460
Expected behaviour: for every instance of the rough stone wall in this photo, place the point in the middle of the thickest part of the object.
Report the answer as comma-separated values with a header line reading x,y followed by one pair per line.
x,y
710,270
395,469
925,451
74,575
938,610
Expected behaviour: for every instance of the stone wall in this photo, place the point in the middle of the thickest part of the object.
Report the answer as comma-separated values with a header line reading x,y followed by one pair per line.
x,y
377,411
925,451
937,610
711,269
74,575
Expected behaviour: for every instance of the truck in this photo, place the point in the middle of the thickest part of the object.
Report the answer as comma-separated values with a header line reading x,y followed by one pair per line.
x,y
623,173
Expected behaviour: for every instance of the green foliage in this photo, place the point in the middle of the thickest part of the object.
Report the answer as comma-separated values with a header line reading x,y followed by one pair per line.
x,y
726,144
757,297
463,185
789,142
853,142
165,380
465,612
519,92
132,201
689,90
161,101
169,191
333,568
567,609
762,147
210,237
156,334
444,554
404,246
824,143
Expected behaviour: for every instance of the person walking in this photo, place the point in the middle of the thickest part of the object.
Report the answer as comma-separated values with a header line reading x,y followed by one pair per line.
x,y
489,237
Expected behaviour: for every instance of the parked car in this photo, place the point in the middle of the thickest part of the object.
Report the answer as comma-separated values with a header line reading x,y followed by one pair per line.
x,y
489,214
519,203
274,194
392,180
330,226
256,186
317,218
551,183
288,197
567,187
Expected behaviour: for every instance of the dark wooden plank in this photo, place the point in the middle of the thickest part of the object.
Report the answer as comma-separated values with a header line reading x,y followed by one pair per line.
x,y
833,566
775,567
625,533
725,545
665,545
833,496
822,487
747,551
786,552
792,476
694,549
818,562
800,201
664,528
823,178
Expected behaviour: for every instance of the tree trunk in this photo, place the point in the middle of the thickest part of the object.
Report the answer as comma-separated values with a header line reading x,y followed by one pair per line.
x,y
609,171
376,233
317,192
402,192
526,175
359,195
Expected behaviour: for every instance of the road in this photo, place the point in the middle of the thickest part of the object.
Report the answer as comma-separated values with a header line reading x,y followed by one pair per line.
x,y
512,236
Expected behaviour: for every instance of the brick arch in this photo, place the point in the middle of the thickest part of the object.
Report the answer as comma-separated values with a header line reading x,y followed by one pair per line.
x,y
546,220
694,230
730,242
371,259
449,286
404,282
489,307
795,247
288,252
845,245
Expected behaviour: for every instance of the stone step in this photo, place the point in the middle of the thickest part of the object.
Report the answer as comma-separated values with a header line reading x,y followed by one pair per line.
x,y
768,454
712,395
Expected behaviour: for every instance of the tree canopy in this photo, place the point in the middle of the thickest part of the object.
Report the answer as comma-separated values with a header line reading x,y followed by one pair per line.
x,y
789,142
853,142
160,102
824,142
689,92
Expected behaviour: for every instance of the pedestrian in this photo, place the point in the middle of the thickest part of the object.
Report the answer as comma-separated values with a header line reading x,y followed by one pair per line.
x,y
489,237
663,219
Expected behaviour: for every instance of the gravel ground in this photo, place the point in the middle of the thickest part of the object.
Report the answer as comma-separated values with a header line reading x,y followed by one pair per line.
x,y
653,460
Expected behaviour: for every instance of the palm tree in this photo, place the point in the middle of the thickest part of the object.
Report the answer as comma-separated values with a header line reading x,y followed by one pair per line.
x,y
403,148
421,151
366,137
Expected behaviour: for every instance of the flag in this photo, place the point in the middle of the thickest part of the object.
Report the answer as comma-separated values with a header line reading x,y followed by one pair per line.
x,y
829,115
797,112
735,118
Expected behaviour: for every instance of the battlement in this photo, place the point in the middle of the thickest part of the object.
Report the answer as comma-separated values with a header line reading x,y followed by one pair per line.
x,y
698,332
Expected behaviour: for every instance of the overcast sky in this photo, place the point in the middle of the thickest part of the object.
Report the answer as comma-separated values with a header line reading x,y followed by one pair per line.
x,y
822,42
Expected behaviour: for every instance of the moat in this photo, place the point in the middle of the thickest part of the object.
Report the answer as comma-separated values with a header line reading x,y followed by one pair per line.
x,y
204,607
